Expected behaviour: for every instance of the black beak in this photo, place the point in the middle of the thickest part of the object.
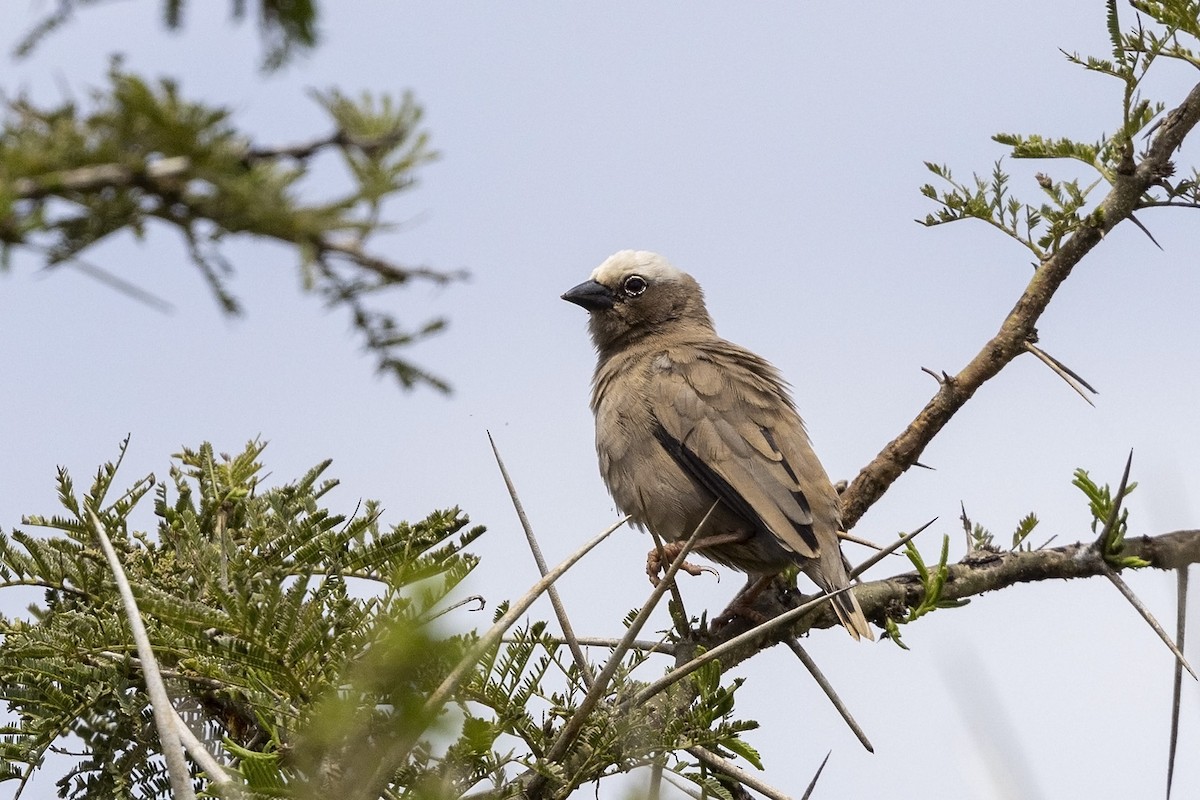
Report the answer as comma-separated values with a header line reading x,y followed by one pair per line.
x,y
591,295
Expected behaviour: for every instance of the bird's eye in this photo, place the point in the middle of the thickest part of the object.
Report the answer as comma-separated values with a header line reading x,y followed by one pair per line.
x,y
634,285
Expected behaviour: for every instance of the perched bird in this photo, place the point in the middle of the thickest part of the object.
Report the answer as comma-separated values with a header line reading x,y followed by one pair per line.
x,y
685,418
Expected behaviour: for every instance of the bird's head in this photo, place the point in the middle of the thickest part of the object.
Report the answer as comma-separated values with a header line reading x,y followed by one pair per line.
x,y
636,293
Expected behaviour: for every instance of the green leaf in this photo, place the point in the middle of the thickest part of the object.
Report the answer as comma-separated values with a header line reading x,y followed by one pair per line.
x,y
1024,528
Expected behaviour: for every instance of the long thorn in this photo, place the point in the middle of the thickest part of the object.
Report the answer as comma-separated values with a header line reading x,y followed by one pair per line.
x,y
682,624
160,701
813,783
572,728
737,773
204,759
966,523
1063,371
644,645
1104,541
493,634
891,548
688,788
1146,615
120,285
1145,230
560,611
1181,589
699,661
827,688
656,773
850,537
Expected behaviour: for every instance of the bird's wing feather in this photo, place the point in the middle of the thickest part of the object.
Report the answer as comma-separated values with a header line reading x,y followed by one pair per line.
x,y
732,428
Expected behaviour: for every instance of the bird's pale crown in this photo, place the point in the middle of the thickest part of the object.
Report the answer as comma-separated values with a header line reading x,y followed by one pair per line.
x,y
649,265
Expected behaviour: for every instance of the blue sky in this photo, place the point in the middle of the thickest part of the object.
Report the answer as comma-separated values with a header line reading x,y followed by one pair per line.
x,y
776,154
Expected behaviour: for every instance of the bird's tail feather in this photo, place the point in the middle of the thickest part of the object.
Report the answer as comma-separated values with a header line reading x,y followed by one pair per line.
x,y
830,574
850,614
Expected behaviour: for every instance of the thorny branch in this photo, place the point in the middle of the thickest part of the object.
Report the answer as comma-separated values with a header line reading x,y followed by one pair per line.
x,y
1019,327
979,572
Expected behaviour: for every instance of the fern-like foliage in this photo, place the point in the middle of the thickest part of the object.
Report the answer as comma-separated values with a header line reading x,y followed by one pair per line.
x,y
301,645
259,602
981,539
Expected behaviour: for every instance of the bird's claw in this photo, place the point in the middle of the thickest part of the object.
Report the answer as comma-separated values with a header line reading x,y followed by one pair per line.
x,y
656,563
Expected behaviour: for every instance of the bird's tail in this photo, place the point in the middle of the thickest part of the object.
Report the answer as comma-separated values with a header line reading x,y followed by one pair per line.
x,y
829,572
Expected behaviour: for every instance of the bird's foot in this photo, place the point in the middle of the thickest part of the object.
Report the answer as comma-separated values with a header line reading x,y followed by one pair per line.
x,y
741,606
657,563
733,612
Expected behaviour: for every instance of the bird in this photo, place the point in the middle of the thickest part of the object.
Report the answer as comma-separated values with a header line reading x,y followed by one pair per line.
x,y
688,423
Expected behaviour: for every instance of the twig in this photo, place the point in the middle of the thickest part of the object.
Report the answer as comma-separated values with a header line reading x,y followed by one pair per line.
x,y
299,152
160,702
477,599
560,611
737,773
99,176
385,269
1181,590
811,665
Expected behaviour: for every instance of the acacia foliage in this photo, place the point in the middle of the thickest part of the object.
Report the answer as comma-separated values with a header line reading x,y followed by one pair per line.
x,y
301,645
258,602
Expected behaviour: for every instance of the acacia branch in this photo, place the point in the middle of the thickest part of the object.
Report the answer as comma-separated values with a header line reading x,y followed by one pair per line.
x,y
96,177
1019,327
979,572
165,180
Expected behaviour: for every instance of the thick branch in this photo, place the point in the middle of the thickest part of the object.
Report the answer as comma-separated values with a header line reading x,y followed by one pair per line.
x,y
1019,326
978,573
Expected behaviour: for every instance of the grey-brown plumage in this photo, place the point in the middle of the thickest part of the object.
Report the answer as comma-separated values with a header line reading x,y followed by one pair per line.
x,y
684,418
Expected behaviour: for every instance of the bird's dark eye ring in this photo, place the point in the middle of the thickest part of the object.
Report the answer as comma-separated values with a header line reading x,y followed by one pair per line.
x,y
634,285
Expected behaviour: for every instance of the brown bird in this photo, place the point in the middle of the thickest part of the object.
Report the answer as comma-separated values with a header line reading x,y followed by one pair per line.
x,y
685,418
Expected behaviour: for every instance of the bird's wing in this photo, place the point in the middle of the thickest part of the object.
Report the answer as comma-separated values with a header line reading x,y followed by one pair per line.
x,y
723,415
